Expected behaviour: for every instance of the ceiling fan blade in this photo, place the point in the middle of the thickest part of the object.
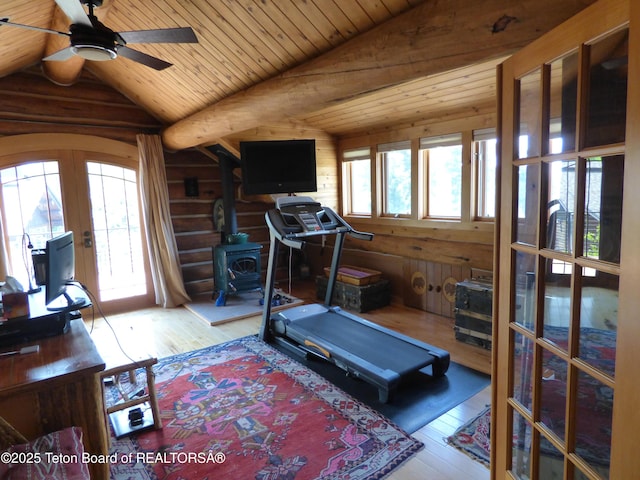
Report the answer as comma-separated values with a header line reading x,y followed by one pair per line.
x,y
142,58
73,9
5,21
161,35
60,55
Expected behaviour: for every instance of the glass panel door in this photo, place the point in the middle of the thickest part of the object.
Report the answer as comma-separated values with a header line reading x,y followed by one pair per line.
x,y
564,164
32,211
97,200
116,231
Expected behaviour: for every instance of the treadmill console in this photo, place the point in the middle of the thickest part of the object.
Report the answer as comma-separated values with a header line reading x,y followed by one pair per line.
x,y
303,214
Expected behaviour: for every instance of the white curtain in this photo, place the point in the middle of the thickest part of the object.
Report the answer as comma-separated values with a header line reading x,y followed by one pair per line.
x,y
4,254
163,252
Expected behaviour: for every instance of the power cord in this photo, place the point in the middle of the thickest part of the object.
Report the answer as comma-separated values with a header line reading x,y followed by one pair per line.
x,y
94,305
26,248
290,268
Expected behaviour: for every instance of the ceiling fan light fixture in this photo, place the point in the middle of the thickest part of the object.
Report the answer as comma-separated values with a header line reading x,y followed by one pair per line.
x,y
95,42
91,40
96,53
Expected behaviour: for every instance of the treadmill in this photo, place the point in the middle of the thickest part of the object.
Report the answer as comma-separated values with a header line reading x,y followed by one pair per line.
x,y
363,349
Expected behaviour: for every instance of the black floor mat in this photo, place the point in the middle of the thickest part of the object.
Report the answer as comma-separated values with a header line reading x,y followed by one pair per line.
x,y
419,400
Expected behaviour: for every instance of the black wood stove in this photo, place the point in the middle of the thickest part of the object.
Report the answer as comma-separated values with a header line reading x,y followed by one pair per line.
x,y
236,266
236,269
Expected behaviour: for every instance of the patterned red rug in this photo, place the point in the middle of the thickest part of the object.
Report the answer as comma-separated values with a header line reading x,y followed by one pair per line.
x,y
243,410
474,437
593,413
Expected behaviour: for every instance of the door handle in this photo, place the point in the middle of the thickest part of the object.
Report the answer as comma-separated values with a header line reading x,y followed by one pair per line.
x,y
87,240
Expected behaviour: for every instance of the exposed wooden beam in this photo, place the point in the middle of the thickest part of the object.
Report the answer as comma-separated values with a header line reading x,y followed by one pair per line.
x,y
68,72
61,73
430,38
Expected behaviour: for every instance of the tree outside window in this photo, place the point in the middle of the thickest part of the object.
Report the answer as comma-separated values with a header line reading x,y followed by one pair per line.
x,y
396,172
484,171
442,158
357,174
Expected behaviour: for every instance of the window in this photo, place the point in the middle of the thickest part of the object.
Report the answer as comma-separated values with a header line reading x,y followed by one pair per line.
x,y
395,161
556,140
561,180
33,192
529,115
116,229
442,161
484,171
441,178
357,177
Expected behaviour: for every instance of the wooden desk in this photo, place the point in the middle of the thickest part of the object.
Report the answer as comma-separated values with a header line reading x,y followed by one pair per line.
x,y
58,387
40,322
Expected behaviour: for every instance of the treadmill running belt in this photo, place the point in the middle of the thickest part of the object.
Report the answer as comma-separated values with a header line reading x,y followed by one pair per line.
x,y
379,348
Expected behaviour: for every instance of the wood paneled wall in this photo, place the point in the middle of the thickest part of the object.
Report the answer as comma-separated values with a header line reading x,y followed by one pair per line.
x,y
192,216
32,104
454,247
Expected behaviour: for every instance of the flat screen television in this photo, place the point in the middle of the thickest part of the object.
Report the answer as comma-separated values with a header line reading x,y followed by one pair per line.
x,y
278,166
59,273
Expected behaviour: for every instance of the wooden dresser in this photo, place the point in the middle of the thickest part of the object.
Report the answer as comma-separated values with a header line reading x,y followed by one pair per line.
x,y
57,387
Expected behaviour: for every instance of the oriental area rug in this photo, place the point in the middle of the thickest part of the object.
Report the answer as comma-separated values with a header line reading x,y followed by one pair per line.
x,y
243,410
593,412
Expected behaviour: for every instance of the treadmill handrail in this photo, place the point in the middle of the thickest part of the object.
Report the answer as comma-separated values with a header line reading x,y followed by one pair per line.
x,y
293,237
288,241
350,230
313,233
361,235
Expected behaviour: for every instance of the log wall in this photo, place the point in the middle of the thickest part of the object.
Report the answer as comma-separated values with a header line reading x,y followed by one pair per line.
x,y
192,217
34,105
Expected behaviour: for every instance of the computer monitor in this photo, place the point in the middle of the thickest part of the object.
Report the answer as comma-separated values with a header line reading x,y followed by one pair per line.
x,y
60,273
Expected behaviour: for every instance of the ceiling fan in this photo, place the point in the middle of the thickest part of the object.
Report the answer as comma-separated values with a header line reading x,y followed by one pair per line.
x,y
92,40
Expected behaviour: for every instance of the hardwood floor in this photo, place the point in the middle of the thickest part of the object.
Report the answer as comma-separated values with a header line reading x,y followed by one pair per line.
x,y
164,332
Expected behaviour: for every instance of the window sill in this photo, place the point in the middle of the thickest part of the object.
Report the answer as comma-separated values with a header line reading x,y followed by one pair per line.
x,y
426,223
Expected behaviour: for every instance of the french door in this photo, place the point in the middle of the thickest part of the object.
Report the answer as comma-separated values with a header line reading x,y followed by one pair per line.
x,y
565,368
94,195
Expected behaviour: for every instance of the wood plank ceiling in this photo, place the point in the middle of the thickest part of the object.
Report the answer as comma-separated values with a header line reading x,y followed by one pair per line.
x,y
246,42
241,44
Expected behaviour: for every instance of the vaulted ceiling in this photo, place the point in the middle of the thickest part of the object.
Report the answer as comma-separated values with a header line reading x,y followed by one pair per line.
x,y
344,66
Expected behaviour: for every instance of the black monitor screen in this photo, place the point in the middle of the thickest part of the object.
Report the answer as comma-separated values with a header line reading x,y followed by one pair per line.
x,y
278,166
60,269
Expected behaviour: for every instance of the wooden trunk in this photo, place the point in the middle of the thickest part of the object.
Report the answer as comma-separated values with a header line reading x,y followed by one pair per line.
x,y
359,298
473,313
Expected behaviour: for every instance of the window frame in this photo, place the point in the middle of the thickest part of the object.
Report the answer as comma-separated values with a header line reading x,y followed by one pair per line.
x,y
381,165
468,219
348,157
480,173
429,143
